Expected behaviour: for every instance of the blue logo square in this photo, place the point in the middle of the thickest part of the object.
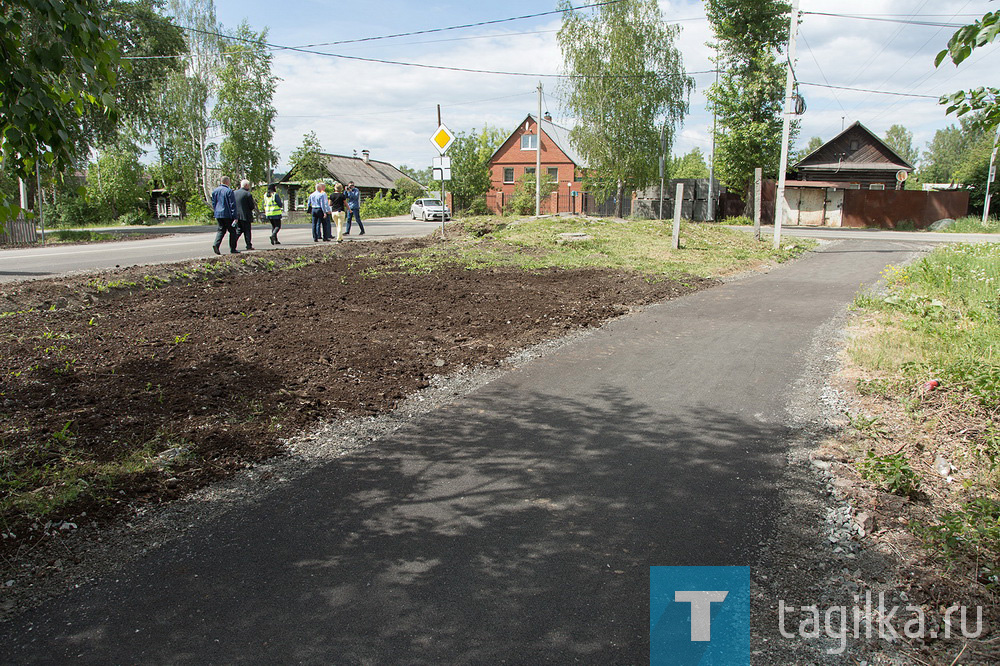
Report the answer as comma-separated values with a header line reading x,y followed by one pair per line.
x,y
699,616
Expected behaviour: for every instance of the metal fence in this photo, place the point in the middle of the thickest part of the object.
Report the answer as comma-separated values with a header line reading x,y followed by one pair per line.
x,y
19,232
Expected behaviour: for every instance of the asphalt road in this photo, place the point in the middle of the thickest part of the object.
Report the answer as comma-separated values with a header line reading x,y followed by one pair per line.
x,y
516,525
174,244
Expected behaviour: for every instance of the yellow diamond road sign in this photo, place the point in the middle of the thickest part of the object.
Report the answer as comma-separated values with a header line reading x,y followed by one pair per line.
x,y
442,139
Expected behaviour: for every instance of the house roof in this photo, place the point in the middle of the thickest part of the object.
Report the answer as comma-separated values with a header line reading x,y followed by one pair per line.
x,y
372,174
872,154
559,136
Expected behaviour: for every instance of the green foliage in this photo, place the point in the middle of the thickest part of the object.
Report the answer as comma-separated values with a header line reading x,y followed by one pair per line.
x,y
983,100
407,189
691,165
306,160
632,83
422,176
246,108
199,209
741,220
72,210
58,63
116,181
470,171
973,224
972,530
900,139
941,316
813,144
522,201
134,218
749,95
382,205
891,473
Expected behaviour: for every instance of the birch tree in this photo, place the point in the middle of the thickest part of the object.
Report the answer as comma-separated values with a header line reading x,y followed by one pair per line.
x,y
626,80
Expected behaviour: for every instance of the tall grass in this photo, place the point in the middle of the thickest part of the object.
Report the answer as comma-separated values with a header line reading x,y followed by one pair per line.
x,y
939,318
973,224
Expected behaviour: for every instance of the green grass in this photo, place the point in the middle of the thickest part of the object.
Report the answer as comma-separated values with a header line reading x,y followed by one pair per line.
x,y
78,236
973,224
940,318
707,250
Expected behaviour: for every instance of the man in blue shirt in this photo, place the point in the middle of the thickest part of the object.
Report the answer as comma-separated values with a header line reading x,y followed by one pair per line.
x,y
353,207
224,209
320,206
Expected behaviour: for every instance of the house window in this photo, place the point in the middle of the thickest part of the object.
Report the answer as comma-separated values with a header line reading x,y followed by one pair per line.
x,y
553,173
877,186
855,144
529,171
508,174
529,142
578,176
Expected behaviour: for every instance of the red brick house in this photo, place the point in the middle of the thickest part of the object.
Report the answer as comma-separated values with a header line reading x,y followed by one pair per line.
x,y
516,157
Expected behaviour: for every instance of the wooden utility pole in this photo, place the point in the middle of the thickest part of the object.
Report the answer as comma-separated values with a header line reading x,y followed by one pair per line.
x,y
991,176
779,199
678,201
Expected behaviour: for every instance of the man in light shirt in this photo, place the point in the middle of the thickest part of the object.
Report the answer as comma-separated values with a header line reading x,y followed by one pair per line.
x,y
320,206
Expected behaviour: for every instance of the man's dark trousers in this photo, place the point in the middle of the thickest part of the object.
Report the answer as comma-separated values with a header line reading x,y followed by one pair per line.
x,y
245,227
225,226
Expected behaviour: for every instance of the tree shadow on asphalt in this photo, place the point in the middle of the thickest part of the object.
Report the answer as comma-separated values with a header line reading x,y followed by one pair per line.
x,y
518,527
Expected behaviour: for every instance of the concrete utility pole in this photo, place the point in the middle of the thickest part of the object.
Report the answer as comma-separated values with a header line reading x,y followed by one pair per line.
x,y
711,159
991,176
678,202
538,155
663,159
779,199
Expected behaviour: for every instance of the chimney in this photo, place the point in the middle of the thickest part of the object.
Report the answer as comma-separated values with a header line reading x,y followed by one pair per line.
x,y
365,155
548,116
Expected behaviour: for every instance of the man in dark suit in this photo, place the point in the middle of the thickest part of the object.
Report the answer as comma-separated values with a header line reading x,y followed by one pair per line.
x,y
224,210
246,209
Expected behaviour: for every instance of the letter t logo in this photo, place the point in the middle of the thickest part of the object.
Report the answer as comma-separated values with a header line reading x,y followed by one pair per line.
x,y
701,611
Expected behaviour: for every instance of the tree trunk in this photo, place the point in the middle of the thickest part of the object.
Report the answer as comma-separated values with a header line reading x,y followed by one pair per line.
x,y
618,198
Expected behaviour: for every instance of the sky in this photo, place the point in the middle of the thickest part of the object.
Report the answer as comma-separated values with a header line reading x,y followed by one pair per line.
x,y
390,110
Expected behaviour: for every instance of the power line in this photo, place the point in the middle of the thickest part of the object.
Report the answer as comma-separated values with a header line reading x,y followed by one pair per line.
x,y
459,27
868,90
904,21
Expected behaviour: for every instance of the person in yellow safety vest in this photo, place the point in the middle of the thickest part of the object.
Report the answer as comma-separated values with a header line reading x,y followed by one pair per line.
x,y
272,211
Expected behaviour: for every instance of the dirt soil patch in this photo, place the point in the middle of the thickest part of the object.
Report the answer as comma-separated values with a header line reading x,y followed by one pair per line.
x,y
137,385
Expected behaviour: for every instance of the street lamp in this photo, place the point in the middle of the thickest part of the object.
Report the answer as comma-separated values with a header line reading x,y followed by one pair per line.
x,y
569,193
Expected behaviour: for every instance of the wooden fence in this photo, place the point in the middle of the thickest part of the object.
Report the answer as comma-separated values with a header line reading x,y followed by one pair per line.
x,y
19,232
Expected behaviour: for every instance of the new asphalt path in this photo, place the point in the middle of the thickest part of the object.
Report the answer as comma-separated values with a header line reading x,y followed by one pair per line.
x,y
516,525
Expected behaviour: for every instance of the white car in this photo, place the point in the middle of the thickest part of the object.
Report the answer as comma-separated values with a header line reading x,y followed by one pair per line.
x,y
429,209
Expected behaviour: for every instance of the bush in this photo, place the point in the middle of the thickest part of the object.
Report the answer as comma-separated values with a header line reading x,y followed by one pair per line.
x,y
71,210
198,209
741,220
134,218
478,207
891,473
385,206
523,200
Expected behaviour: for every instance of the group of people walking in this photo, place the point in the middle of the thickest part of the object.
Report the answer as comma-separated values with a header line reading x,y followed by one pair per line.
x,y
332,209
235,211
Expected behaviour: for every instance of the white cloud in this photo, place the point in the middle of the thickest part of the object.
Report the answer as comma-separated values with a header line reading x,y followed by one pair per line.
x,y
390,110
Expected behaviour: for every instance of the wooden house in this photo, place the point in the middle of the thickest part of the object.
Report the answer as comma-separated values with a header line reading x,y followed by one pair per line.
x,y
369,176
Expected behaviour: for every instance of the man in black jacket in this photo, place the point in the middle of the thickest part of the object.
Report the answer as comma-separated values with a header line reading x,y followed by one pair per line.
x,y
246,209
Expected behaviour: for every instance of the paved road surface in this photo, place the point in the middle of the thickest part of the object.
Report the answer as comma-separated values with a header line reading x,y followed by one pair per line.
x,y
515,526
176,244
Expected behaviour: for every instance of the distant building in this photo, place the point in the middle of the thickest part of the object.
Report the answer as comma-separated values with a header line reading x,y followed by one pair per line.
x,y
516,157
856,180
369,176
